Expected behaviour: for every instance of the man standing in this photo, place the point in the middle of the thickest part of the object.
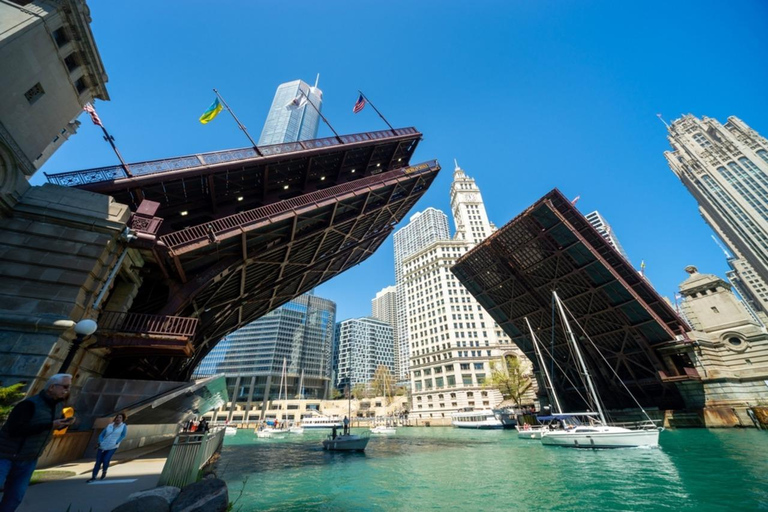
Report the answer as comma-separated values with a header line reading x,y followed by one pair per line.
x,y
25,435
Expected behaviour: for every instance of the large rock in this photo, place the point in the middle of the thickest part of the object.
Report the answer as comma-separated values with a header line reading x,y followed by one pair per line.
x,y
167,492
208,495
144,504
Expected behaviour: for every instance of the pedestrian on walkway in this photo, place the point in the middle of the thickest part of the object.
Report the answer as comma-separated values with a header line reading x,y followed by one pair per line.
x,y
25,435
109,440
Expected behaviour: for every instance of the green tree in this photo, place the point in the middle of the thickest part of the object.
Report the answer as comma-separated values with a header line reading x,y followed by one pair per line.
x,y
511,378
8,398
383,383
359,391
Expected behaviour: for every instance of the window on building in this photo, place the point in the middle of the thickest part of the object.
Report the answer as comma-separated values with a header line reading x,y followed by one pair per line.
x,y
466,379
34,93
72,61
60,36
80,85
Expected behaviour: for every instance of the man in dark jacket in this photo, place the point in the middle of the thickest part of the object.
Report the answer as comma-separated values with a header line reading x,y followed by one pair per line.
x,y
25,435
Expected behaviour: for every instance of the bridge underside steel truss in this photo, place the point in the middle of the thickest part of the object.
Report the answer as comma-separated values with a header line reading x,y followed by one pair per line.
x,y
247,236
551,246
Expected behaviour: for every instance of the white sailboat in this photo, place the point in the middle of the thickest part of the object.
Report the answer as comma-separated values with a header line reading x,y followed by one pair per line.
x,y
280,429
295,427
347,442
596,435
387,428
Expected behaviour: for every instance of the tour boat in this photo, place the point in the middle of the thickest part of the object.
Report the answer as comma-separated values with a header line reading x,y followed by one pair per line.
x,y
320,421
383,429
597,435
484,419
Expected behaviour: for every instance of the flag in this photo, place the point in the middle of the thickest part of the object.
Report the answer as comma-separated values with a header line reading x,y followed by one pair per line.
x,y
212,112
94,116
359,104
575,199
297,102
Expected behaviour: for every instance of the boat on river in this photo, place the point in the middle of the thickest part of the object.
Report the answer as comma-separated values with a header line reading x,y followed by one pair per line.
x,y
484,419
347,442
383,429
319,421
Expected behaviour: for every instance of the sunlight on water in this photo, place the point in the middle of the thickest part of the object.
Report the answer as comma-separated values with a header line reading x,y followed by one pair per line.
x,y
452,469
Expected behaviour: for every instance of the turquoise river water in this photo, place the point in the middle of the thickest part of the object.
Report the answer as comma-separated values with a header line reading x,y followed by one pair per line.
x,y
454,469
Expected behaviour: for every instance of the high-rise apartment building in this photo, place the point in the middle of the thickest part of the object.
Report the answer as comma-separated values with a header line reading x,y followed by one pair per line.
x,y
423,228
364,344
725,167
601,225
300,332
289,120
454,343
384,307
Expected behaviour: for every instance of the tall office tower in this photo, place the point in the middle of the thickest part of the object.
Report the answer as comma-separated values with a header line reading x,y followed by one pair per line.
x,y
301,333
423,228
364,345
725,167
454,343
599,223
289,122
384,307
210,363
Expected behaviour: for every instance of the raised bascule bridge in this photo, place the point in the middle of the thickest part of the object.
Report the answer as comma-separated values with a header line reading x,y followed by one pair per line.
x,y
551,246
223,238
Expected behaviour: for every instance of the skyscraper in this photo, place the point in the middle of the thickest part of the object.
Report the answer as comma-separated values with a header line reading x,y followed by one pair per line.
x,y
384,307
454,343
422,229
288,122
725,167
601,225
364,345
301,332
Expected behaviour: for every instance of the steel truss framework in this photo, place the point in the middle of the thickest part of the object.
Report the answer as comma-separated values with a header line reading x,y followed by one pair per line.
x,y
254,234
551,246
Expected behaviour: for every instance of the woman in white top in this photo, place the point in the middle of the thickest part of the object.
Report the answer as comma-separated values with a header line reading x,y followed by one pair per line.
x,y
109,440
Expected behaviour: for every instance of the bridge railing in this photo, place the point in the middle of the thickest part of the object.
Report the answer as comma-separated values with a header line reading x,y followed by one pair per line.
x,y
116,172
190,452
177,327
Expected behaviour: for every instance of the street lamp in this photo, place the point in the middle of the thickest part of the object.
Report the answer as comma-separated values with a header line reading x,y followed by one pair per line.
x,y
83,329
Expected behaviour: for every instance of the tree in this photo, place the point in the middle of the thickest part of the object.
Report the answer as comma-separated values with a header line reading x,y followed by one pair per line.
x,y
383,383
511,378
359,391
8,398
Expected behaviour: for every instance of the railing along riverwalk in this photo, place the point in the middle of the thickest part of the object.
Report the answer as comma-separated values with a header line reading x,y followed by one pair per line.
x,y
189,453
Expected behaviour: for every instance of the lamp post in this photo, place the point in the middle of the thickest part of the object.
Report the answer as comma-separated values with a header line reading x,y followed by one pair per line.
x,y
83,329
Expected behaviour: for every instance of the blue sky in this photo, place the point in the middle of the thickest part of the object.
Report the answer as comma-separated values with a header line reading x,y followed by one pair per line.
x,y
527,95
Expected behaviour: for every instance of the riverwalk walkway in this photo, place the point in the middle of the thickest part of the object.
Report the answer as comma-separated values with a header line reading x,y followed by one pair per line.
x,y
130,471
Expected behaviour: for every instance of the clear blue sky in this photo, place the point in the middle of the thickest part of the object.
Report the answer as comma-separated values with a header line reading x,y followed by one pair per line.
x,y
527,95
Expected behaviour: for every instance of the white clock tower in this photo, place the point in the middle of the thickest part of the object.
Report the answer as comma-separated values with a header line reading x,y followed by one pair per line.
x,y
469,216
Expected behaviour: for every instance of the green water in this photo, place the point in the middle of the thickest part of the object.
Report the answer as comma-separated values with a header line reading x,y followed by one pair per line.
x,y
451,469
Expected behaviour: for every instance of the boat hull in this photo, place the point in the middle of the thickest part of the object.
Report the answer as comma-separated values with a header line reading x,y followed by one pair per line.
x,y
350,443
478,426
627,439
531,433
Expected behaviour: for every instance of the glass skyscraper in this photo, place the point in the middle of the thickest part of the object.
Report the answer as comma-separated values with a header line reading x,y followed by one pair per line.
x,y
288,123
300,332
363,344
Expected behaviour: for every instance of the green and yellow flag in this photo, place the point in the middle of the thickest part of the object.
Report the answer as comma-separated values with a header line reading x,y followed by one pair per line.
x,y
212,112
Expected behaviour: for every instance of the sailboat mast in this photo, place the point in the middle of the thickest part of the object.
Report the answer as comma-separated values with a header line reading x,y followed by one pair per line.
x,y
540,356
575,345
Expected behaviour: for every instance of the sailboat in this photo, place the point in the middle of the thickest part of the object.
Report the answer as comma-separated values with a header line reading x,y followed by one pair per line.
x,y
387,428
280,429
347,442
596,435
295,427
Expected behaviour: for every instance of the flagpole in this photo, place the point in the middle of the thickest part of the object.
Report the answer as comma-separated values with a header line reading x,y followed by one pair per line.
x,y
238,122
377,111
111,140
321,116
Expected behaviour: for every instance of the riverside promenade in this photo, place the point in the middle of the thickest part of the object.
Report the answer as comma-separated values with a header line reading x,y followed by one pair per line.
x,y
131,471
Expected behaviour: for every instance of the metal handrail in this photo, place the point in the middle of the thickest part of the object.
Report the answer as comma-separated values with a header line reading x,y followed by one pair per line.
x,y
153,325
115,172
190,452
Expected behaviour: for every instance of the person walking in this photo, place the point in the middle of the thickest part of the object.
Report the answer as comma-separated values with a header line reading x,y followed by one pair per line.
x,y
109,440
26,434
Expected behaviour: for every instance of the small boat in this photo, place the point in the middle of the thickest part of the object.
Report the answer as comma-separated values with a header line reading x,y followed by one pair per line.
x,y
484,419
507,416
346,443
296,429
320,421
382,429
269,432
230,431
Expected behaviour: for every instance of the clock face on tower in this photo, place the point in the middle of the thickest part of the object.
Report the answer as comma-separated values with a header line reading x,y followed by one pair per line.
x,y
471,197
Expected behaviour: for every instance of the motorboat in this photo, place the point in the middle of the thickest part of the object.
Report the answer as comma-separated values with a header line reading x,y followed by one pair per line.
x,y
230,431
507,416
270,432
383,429
296,429
346,442
484,419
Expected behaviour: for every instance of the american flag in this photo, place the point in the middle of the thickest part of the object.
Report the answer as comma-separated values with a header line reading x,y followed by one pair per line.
x,y
359,104
94,116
